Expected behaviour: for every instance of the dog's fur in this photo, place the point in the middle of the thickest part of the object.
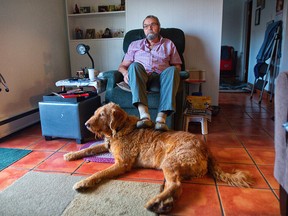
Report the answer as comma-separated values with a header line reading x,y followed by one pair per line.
x,y
179,154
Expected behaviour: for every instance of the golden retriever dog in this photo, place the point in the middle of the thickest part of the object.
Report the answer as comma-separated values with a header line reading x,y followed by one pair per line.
x,y
178,154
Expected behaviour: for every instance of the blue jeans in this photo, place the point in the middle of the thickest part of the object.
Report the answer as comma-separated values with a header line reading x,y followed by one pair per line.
x,y
166,83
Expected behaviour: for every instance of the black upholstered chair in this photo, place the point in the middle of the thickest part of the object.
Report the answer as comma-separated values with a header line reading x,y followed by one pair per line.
x,y
124,98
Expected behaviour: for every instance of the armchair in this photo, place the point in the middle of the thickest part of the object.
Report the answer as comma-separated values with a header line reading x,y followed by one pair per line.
x,y
281,139
124,98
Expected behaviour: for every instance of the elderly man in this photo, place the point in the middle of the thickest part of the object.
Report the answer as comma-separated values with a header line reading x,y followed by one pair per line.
x,y
149,64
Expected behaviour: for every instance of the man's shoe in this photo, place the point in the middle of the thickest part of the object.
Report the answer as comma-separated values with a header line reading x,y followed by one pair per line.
x,y
161,127
144,123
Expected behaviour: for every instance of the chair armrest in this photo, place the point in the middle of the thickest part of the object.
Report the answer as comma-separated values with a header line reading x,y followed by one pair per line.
x,y
184,75
113,77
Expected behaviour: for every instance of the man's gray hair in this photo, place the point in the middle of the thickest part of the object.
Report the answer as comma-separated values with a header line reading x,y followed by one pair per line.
x,y
152,17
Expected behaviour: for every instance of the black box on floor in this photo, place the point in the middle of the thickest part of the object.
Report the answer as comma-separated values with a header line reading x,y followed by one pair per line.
x,y
66,117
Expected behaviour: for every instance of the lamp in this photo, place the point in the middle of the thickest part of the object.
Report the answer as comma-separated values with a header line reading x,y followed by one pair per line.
x,y
83,49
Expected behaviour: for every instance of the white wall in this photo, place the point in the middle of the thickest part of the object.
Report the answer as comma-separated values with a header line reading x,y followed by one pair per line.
x,y
34,52
232,23
201,21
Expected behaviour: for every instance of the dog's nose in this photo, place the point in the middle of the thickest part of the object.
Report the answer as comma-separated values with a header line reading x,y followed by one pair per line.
x,y
87,125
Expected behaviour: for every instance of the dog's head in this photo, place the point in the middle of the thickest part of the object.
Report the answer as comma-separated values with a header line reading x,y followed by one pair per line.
x,y
107,120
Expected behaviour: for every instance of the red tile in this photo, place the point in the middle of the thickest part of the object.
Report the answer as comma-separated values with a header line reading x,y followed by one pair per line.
x,y
10,175
263,156
52,145
247,201
231,114
277,192
197,200
261,115
243,122
249,130
56,163
222,140
252,141
231,155
254,109
71,146
92,167
268,172
264,123
32,159
223,128
19,141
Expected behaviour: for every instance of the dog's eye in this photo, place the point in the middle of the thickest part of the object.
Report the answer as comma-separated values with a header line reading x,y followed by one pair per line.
x,y
101,114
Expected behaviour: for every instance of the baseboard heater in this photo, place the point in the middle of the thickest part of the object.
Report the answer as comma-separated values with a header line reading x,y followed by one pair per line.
x,y
18,122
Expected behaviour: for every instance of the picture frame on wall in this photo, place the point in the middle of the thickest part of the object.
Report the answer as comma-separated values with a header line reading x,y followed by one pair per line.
x,y
279,5
257,16
261,4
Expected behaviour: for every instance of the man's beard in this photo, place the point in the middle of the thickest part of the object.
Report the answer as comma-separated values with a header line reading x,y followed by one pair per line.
x,y
152,36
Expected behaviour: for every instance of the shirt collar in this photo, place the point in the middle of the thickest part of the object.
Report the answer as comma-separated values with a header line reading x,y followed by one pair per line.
x,y
160,41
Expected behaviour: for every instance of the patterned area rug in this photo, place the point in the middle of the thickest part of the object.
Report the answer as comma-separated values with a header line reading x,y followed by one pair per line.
x,y
40,193
100,158
9,156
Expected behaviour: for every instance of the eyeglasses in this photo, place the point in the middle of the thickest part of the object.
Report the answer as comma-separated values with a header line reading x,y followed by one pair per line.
x,y
146,26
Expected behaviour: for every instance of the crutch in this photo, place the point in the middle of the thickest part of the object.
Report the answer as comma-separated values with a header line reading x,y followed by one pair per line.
x,y
275,42
276,65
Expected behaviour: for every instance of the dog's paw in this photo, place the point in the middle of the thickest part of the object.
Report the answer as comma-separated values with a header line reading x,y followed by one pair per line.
x,y
166,206
80,186
160,207
69,156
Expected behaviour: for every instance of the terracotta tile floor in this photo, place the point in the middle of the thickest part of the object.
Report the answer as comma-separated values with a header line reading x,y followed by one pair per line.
x,y
240,136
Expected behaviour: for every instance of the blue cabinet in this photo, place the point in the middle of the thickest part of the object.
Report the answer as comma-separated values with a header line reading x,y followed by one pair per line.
x,y
66,117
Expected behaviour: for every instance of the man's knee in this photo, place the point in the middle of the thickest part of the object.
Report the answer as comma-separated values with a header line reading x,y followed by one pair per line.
x,y
171,71
135,67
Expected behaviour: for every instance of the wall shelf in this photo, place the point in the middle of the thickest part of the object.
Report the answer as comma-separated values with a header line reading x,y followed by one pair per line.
x,y
96,14
106,52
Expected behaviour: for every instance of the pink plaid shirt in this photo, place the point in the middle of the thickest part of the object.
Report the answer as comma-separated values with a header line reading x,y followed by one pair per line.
x,y
162,55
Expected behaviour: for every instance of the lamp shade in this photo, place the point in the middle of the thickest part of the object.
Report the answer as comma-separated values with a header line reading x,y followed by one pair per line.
x,y
83,49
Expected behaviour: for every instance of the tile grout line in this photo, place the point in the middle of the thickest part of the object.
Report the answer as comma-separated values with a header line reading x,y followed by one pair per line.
x,y
271,189
219,197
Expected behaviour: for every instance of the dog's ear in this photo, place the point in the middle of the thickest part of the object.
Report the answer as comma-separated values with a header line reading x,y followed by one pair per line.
x,y
118,118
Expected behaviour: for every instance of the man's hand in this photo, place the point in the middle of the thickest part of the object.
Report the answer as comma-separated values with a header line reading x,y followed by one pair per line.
x,y
123,68
126,78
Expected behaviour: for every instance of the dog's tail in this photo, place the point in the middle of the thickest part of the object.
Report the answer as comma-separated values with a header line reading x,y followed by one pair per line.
x,y
236,178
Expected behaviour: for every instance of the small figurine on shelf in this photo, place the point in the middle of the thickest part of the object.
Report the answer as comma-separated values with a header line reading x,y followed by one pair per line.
x,y
107,33
78,33
76,9
122,7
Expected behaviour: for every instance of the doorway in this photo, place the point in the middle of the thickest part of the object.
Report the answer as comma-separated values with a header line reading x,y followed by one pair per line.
x,y
246,39
236,32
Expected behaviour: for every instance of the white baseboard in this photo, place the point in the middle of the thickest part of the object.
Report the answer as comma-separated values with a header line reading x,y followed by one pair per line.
x,y
18,124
